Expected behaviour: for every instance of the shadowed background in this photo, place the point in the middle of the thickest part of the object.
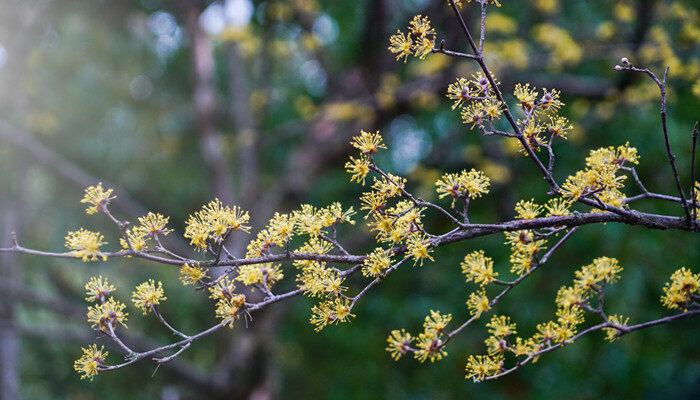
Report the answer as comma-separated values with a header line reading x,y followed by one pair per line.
x,y
174,103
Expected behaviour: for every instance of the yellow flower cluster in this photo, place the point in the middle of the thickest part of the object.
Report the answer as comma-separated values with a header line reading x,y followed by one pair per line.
x,y
191,274
601,178
330,312
470,184
148,295
88,365
368,143
479,367
398,343
376,262
524,246
315,279
150,226
498,344
98,198
419,40
107,312
98,289
478,268
228,303
612,334
213,222
480,98
429,343
400,224
478,303
569,301
86,244
110,312
682,289
311,221
541,117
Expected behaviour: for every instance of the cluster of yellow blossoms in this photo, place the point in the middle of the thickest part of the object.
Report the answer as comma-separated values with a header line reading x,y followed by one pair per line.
x,y
465,184
541,117
429,343
86,244
228,303
601,179
151,226
98,198
148,295
571,300
682,290
88,365
107,312
525,245
479,96
213,222
419,40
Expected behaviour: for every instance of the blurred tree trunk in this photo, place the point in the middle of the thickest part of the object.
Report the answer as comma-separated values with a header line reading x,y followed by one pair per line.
x,y
205,107
9,339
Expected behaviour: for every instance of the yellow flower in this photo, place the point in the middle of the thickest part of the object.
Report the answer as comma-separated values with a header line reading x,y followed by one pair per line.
x,y
419,249
368,143
420,26
97,289
214,221
612,334
88,365
98,197
191,274
501,327
527,209
398,343
470,184
109,312
227,309
376,262
136,238
526,95
436,322
389,187
679,291
461,92
571,296
478,303
480,367
148,295
478,268
154,224
86,245
557,207
262,273
429,347
400,45
359,168
330,312
559,126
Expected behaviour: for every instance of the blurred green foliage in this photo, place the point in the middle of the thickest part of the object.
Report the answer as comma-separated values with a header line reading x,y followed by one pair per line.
x,y
108,84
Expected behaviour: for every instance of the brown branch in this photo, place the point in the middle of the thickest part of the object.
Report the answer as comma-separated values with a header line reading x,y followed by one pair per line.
x,y
622,330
